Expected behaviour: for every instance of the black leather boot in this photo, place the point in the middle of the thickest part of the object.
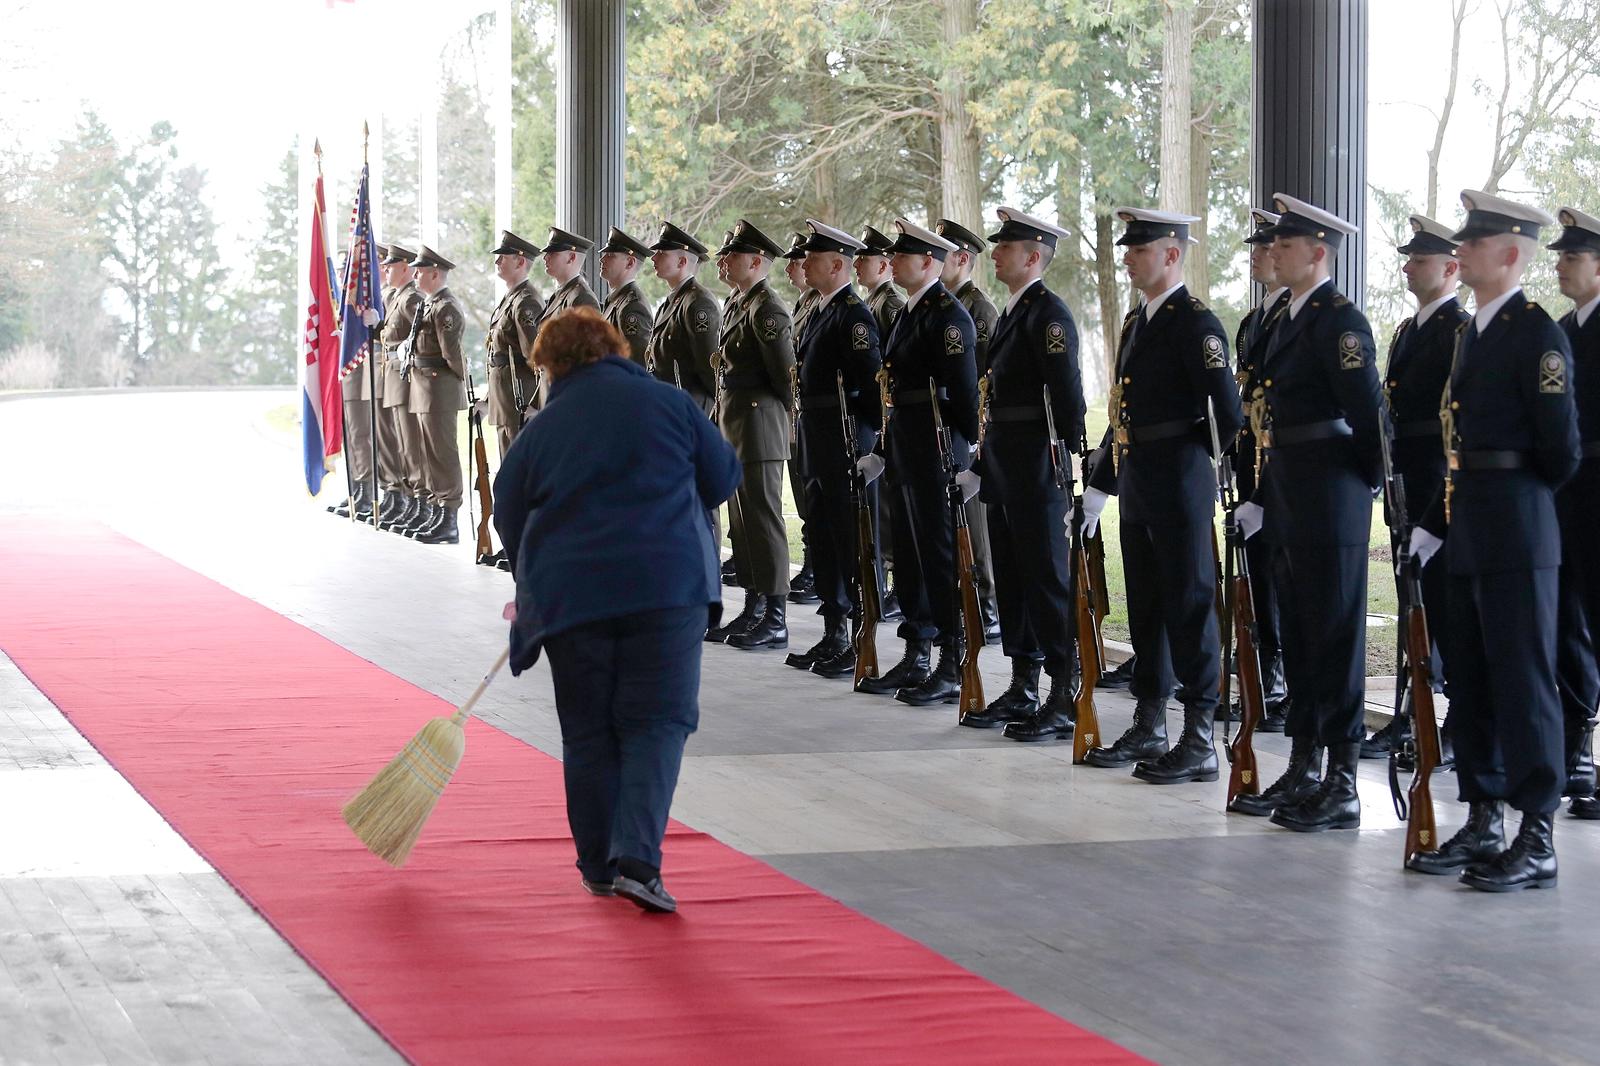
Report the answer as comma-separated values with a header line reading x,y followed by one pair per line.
x,y
891,607
1145,739
1382,741
911,670
1530,861
1275,719
1056,715
771,630
1580,760
425,516
941,686
1335,804
1192,758
364,502
1586,808
402,517
835,639
754,607
443,531
1481,839
843,662
803,586
991,620
729,573
1302,778
393,503
1016,704
1121,677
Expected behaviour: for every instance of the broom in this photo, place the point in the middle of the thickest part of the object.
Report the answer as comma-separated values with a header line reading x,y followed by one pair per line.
x,y
389,813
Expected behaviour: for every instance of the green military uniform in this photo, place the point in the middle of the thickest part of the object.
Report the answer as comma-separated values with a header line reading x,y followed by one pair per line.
x,y
438,390
625,306
574,292
403,306
512,327
802,586
687,329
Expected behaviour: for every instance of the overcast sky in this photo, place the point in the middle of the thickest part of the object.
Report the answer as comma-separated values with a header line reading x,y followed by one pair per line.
x,y
237,80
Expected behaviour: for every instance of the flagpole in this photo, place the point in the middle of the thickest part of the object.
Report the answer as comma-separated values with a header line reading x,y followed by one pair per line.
x,y
344,426
372,354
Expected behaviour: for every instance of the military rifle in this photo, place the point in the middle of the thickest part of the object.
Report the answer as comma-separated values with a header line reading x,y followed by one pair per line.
x,y
480,462
868,608
972,700
1239,637
407,349
1414,680
1086,620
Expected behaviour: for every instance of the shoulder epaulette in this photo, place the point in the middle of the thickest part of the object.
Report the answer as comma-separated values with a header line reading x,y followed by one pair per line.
x,y
1341,300
1198,304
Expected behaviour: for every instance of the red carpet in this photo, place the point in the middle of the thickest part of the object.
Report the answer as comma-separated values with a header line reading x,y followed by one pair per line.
x,y
248,731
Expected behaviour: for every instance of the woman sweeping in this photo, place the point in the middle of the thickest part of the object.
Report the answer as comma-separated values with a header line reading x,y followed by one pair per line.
x,y
602,506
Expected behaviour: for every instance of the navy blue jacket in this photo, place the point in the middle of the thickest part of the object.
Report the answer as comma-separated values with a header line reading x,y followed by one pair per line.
x,y
602,503
1033,345
1414,380
1578,502
1168,368
1250,344
840,337
1510,390
935,340
1319,366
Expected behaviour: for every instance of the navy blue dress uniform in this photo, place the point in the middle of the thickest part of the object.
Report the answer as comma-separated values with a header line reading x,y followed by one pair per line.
x,y
625,306
1249,345
512,328
1033,347
1171,363
929,358
574,292
840,339
1578,511
1413,381
1511,434
602,506
1323,462
802,587
687,327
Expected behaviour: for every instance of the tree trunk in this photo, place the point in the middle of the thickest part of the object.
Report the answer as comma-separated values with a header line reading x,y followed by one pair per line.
x,y
1458,12
1177,112
1197,271
1105,270
958,140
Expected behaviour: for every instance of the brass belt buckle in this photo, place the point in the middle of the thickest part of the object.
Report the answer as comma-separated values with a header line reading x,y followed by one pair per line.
x,y
1452,459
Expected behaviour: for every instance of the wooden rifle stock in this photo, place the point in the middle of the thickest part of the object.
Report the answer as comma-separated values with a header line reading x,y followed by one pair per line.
x,y
971,700
1421,833
869,610
480,463
1086,733
1244,778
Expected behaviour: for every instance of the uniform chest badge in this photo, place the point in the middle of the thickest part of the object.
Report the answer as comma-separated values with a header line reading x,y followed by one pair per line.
x,y
1055,338
1350,352
952,341
1552,373
1213,351
860,340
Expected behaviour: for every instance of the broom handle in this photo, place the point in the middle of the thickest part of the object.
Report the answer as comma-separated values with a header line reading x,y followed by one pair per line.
x,y
466,708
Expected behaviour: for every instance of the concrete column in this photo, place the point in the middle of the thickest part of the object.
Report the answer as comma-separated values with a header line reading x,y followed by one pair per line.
x,y
500,110
590,120
1310,116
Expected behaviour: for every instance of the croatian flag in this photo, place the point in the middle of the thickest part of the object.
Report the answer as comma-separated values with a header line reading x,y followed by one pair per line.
x,y
322,422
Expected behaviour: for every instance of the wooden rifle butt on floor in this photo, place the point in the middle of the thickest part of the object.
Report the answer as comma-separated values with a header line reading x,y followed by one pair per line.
x,y
1421,832
972,699
480,463
870,611
1243,777
1086,730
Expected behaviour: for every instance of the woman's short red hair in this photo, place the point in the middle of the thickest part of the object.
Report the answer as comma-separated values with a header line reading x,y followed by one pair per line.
x,y
575,338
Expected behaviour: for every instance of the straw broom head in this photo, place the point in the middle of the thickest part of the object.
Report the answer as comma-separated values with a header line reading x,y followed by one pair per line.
x,y
388,815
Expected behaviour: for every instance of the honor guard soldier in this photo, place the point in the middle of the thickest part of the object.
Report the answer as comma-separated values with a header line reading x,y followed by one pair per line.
x,y
957,277
393,465
930,359
512,327
1511,440
1033,354
876,278
404,308
802,587
1578,509
688,323
564,254
1249,345
625,307
840,343
1413,380
1171,366
359,445
756,365
438,392
1319,421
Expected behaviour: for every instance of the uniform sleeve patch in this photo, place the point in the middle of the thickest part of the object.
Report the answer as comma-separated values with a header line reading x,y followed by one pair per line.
x,y
1055,338
860,338
450,319
1215,360
702,321
528,316
982,325
952,341
632,325
1350,352
769,327
1552,373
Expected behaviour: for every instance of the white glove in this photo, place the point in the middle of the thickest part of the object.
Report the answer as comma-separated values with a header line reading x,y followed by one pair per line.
x,y
1094,502
1250,516
1423,545
969,484
369,317
871,467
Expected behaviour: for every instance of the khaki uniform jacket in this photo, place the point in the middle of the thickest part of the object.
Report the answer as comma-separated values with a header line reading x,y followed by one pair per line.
x,y
512,328
440,388
803,307
984,316
625,308
687,329
574,293
404,304
757,367
885,303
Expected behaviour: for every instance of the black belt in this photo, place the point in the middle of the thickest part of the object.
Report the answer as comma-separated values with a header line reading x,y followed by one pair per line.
x,y
1017,414
1591,450
1489,460
1306,432
745,381
1425,427
911,396
1162,431
430,362
819,403
498,361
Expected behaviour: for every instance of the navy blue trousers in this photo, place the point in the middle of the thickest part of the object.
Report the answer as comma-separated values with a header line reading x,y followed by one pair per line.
x,y
1322,605
1031,555
627,695
1171,577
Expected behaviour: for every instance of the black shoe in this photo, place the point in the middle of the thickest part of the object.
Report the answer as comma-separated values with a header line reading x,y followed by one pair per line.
x,y
729,575
1146,738
393,503
837,666
1192,758
1275,719
503,564
1335,804
403,516
1120,677
1016,704
364,503
1586,808
599,888
1233,712
771,630
492,558
803,586
912,669
943,685
425,516
891,611
1055,717
1481,839
835,639
1580,760
991,621
1530,861
1382,741
1301,779
646,895
755,605
441,532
